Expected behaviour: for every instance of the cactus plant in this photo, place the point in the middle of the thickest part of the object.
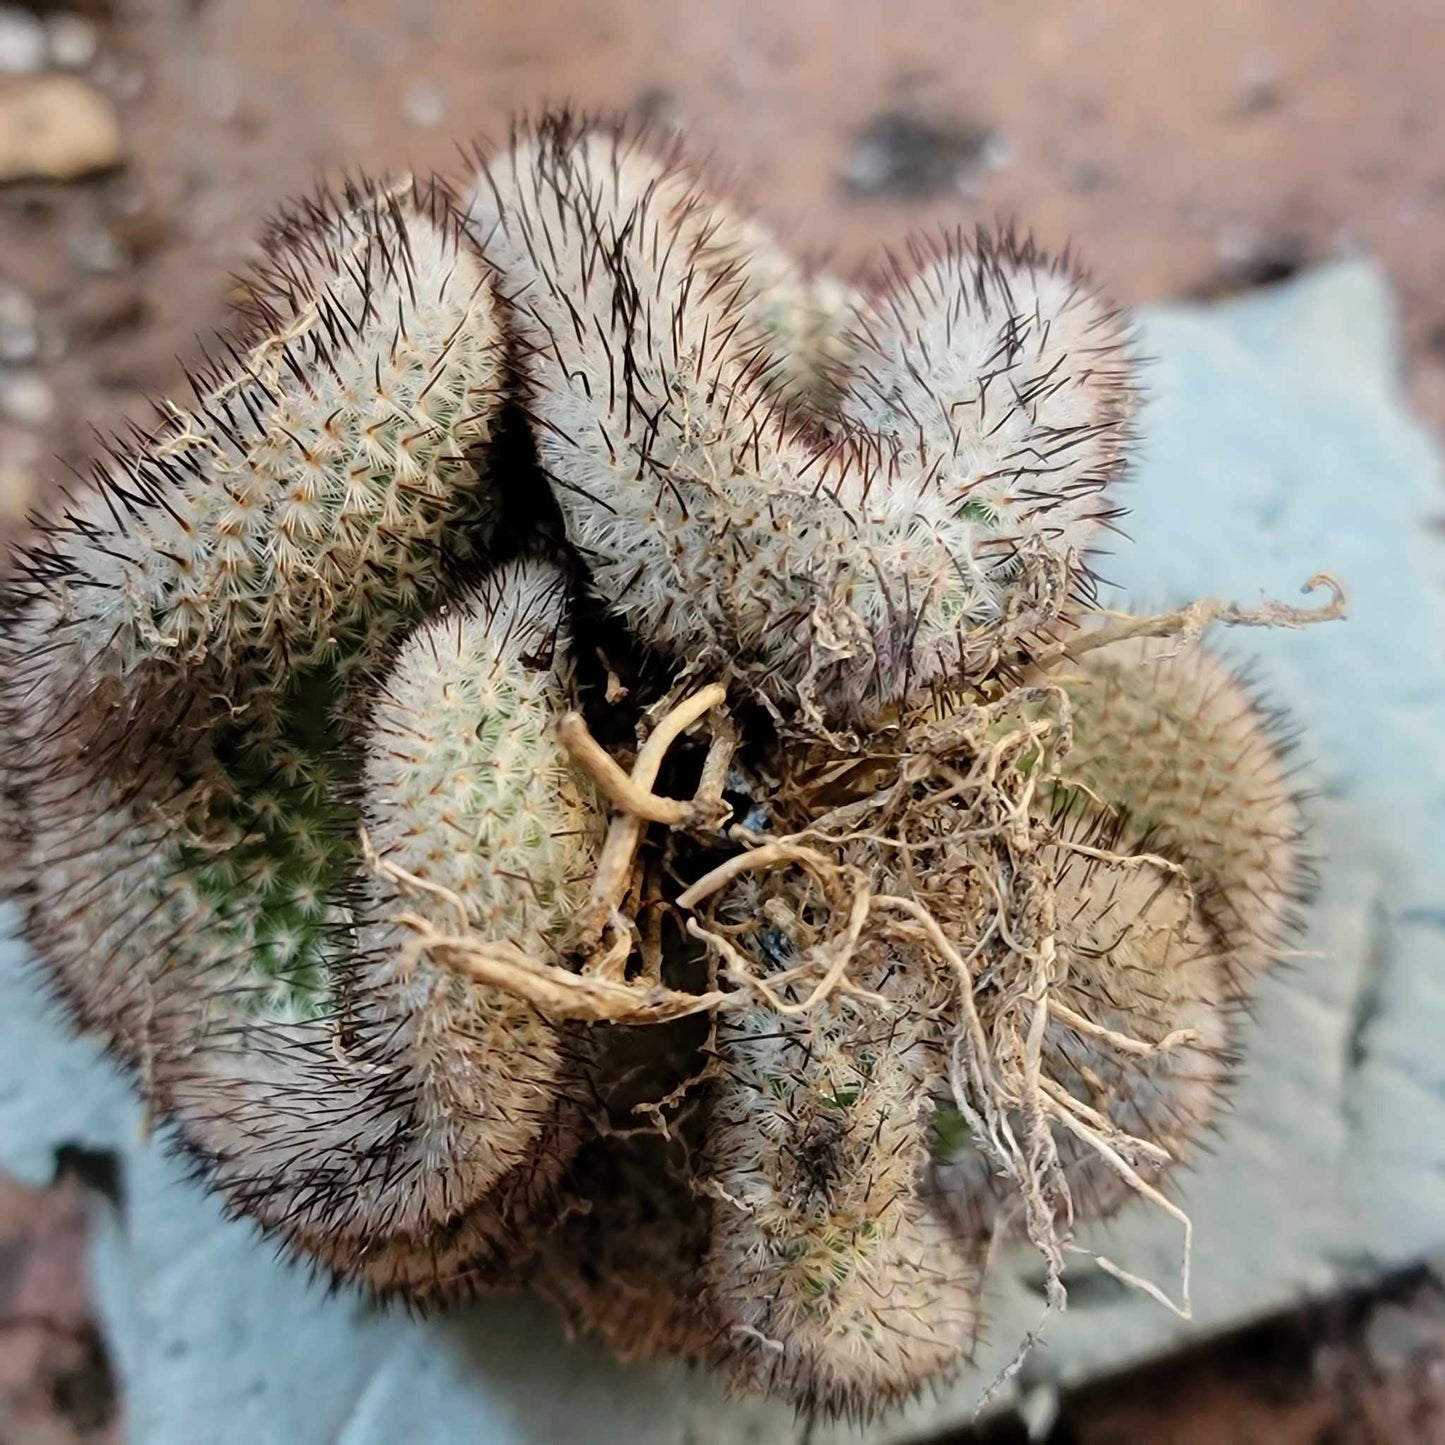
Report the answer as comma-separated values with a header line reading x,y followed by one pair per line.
x,y
1174,740
185,758
254,985
299,512
723,912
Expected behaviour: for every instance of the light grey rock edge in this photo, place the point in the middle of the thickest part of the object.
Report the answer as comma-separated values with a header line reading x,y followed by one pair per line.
x,y
1275,446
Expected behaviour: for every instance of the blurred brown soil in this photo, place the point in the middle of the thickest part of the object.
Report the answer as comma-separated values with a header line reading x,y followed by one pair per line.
x,y
1365,1369
55,1385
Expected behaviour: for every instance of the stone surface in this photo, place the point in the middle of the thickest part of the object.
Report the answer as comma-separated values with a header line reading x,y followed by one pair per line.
x,y
1316,1376
26,398
18,339
1275,445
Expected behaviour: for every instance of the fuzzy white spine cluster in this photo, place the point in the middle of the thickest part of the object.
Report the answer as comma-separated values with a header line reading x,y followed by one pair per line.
x,y
1000,372
468,790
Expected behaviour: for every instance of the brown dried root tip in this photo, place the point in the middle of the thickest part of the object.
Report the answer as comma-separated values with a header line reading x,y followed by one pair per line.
x,y
1123,1042
552,990
1191,621
621,790
637,806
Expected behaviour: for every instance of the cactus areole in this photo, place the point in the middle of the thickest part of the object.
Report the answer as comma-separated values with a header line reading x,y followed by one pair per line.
x,y
585,754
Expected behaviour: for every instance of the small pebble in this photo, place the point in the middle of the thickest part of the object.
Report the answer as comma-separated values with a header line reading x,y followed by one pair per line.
x,y
17,485
73,41
1249,257
424,105
56,127
22,42
26,397
220,90
999,151
1259,85
19,340
97,250
1237,244
912,155
1039,1409
121,77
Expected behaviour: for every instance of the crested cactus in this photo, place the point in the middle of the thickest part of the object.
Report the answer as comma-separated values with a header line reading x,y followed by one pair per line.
x,y
342,794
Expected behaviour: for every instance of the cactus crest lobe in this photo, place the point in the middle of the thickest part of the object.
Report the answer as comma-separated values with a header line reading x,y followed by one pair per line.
x,y
983,414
